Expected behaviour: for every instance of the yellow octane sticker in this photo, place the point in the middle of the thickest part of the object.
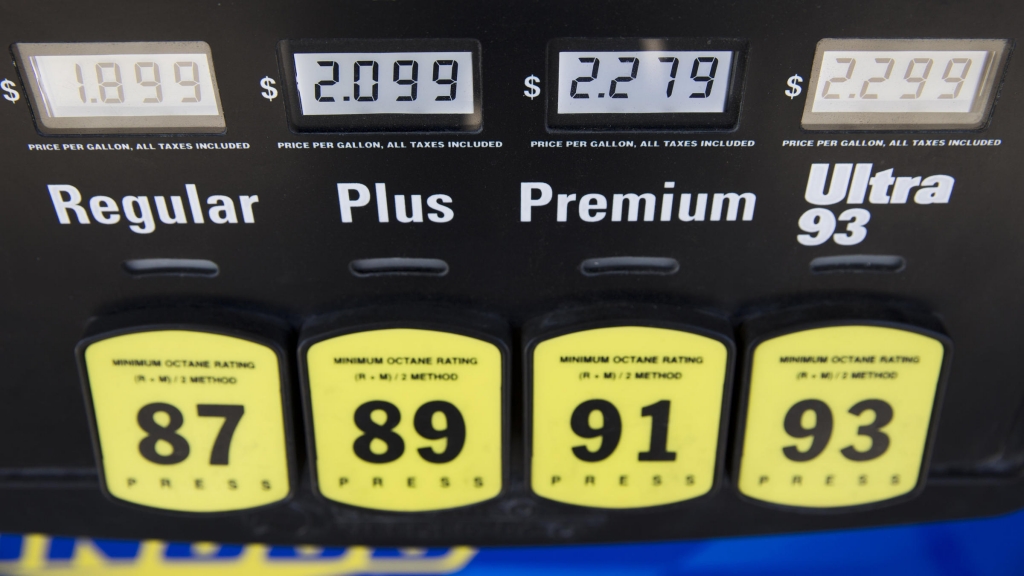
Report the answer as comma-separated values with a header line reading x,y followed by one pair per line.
x,y
189,421
406,419
626,417
156,558
838,416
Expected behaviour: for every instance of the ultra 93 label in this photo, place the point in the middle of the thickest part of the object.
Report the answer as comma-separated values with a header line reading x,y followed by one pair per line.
x,y
406,419
189,421
838,416
626,416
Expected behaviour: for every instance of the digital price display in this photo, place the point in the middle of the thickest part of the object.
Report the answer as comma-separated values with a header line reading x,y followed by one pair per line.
x,y
352,85
406,420
903,84
626,416
644,83
188,421
122,87
839,416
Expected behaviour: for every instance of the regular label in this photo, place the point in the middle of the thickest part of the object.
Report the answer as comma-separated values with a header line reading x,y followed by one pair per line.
x,y
406,420
189,421
626,417
838,416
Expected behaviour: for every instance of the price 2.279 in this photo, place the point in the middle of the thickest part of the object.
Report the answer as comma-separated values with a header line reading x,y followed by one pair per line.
x,y
703,69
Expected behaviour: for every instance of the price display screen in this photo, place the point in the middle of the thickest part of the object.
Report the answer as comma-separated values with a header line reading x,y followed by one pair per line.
x,y
839,416
189,421
626,416
122,87
406,420
900,84
646,83
374,85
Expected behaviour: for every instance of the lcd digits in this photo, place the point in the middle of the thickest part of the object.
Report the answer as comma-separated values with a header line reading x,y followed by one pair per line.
x,y
643,82
926,81
910,84
126,85
122,87
385,83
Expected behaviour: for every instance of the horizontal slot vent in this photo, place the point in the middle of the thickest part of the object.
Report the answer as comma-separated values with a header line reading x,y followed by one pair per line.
x,y
368,267
858,263
171,267
49,477
629,265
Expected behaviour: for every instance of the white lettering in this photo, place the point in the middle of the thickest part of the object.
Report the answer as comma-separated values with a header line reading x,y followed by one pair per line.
x,y
634,206
592,207
100,206
347,203
144,216
61,206
527,201
443,213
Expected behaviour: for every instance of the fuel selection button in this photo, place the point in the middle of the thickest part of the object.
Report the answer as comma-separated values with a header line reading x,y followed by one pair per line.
x,y
188,420
626,416
406,419
840,416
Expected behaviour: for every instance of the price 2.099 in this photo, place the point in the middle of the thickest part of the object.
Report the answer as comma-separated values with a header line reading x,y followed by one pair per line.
x,y
404,73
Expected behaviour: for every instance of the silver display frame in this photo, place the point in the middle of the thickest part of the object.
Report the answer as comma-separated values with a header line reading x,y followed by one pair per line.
x,y
163,124
975,119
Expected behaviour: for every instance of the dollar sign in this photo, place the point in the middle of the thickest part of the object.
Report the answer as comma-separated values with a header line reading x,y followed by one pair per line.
x,y
269,92
794,85
533,90
11,95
